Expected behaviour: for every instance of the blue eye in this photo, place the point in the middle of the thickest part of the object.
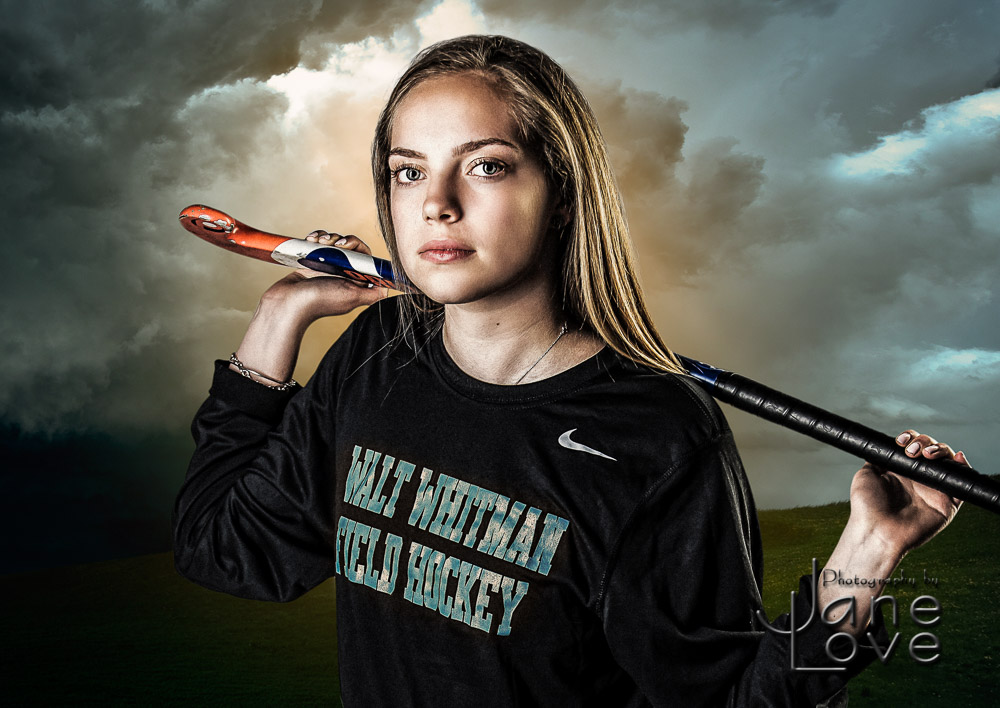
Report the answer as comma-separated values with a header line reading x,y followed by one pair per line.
x,y
487,168
405,175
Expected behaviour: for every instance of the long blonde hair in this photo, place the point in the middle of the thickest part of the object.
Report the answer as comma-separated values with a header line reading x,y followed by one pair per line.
x,y
598,280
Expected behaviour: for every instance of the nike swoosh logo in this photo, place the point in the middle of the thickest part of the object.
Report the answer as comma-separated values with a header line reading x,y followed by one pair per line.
x,y
570,444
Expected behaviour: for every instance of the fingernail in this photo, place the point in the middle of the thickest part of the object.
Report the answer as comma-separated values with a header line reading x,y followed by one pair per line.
x,y
931,448
903,438
340,242
913,448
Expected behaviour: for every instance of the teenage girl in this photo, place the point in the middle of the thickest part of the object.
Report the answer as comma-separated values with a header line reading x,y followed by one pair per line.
x,y
524,498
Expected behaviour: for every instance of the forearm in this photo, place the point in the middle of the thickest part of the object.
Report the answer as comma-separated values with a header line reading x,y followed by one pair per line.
x,y
271,343
272,340
859,553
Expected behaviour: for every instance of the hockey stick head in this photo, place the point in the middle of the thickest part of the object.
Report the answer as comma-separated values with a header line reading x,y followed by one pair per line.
x,y
220,229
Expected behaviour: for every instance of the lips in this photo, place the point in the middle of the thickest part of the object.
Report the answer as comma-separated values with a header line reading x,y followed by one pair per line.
x,y
444,251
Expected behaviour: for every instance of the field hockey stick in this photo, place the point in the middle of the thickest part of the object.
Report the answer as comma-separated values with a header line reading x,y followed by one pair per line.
x,y
947,476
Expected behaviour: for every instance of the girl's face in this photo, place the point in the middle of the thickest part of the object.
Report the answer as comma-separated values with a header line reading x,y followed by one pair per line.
x,y
471,207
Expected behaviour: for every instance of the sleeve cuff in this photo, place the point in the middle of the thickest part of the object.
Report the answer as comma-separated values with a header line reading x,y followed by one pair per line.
x,y
812,642
248,396
820,686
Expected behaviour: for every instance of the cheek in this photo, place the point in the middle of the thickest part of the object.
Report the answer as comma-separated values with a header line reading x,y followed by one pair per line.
x,y
530,214
404,230
402,215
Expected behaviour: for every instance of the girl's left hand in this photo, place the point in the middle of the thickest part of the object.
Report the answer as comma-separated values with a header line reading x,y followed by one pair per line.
x,y
899,512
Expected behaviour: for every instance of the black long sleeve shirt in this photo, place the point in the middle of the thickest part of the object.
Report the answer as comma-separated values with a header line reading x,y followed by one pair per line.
x,y
586,540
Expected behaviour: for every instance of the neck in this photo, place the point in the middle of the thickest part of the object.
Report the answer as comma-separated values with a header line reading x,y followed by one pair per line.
x,y
511,344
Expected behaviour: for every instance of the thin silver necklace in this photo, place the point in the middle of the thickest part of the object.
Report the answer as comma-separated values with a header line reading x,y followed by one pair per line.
x,y
562,331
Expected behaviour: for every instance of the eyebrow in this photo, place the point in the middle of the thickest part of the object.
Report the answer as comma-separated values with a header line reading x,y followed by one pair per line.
x,y
463,149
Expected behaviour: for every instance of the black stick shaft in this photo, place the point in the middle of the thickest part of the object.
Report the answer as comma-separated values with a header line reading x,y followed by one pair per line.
x,y
870,445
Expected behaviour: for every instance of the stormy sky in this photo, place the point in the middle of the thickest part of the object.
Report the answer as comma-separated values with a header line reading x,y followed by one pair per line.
x,y
812,186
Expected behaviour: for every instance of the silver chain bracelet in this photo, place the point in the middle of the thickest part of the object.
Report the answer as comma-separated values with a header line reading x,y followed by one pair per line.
x,y
250,373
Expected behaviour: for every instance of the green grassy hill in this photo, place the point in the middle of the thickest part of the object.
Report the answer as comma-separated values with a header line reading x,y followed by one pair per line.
x,y
132,632
965,558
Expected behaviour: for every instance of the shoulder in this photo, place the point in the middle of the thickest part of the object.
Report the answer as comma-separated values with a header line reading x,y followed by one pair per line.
x,y
695,488
674,406
375,326
382,318
371,336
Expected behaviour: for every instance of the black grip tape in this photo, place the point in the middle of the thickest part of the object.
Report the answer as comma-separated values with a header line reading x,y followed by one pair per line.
x,y
948,476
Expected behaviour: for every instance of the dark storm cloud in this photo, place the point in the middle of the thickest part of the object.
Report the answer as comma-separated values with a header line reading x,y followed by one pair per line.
x,y
743,16
871,293
57,53
644,131
764,250
86,84
994,81
110,113
758,254
682,222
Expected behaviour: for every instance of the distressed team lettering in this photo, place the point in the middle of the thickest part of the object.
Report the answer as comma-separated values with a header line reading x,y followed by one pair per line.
x,y
475,519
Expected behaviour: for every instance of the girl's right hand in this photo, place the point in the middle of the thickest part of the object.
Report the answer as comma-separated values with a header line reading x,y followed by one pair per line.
x,y
287,308
308,295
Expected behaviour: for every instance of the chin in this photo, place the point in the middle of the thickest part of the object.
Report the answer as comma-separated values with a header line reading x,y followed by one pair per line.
x,y
453,288
452,295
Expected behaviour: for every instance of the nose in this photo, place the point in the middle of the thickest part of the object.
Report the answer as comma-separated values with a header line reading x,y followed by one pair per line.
x,y
441,203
